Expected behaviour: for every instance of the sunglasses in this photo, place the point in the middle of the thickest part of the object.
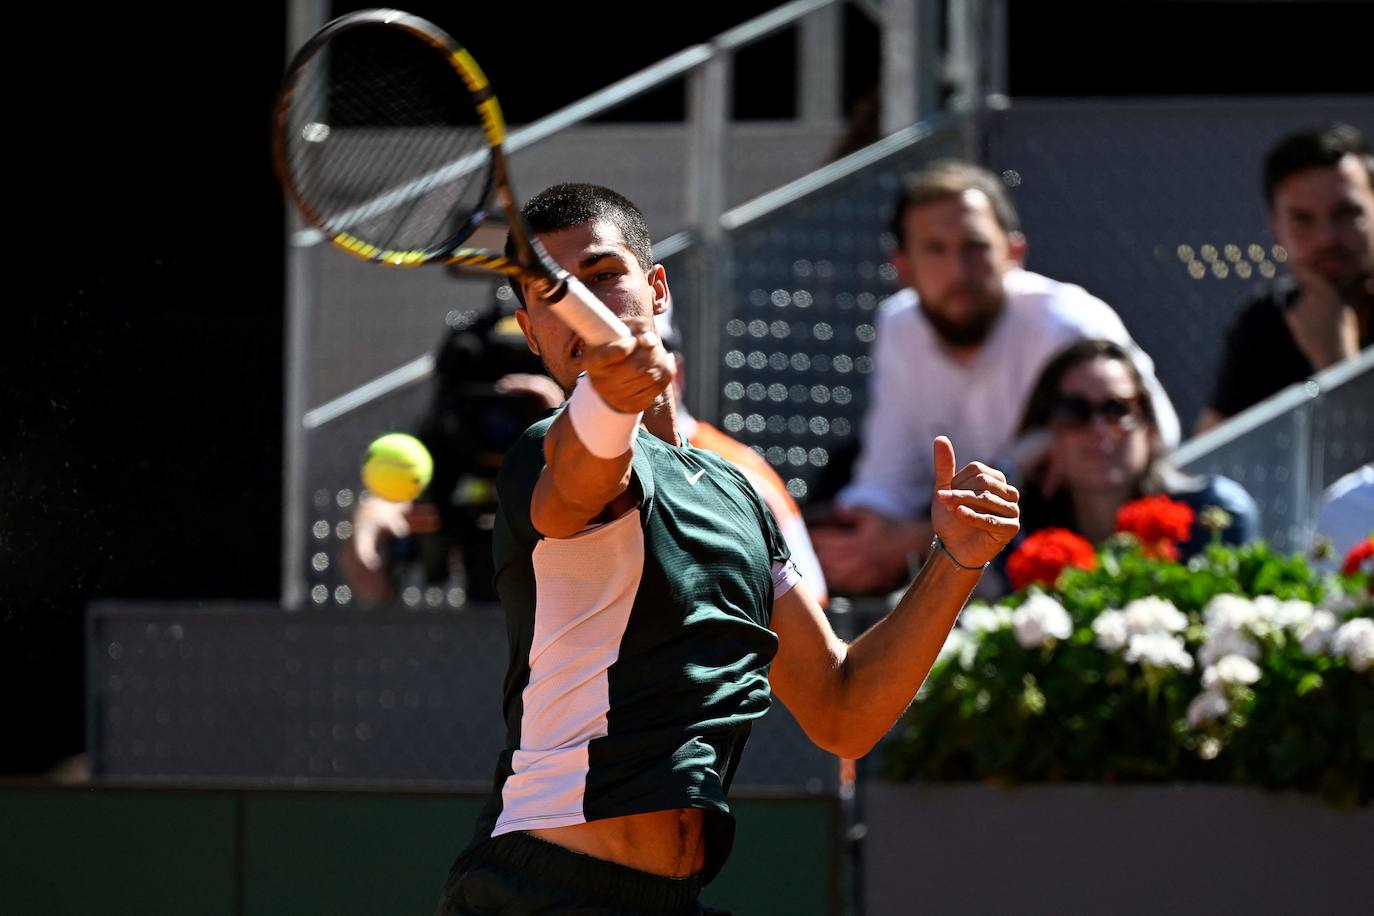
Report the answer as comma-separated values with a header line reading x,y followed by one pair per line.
x,y
1076,412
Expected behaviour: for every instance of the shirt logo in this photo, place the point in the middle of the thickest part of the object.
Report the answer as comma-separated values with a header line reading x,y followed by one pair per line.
x,y
693,478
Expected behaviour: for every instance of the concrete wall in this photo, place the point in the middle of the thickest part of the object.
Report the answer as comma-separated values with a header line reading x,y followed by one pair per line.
x,y
1122,850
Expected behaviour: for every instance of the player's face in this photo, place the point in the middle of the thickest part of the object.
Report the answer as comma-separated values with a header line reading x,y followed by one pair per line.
x,y
955,255
597,255
1101,438
1324,219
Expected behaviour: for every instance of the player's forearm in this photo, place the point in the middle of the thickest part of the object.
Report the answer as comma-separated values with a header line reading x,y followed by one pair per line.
x,y
575,486
883,669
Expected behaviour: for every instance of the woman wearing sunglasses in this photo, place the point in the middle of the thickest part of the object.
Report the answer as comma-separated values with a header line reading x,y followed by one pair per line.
x,y
1093,425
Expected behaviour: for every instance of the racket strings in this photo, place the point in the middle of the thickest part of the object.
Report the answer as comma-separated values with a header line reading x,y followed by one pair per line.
x,y
384,143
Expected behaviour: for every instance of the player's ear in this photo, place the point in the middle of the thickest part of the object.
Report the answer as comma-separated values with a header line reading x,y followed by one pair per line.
x,y
658,281
522,318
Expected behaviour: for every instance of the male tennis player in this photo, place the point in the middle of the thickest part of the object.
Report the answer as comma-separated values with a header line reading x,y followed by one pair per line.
x,y
652,611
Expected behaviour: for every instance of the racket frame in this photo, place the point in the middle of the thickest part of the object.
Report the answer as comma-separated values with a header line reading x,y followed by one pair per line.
x,y
593,321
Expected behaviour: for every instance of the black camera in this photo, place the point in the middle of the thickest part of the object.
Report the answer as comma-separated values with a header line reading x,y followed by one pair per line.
x,y
468,429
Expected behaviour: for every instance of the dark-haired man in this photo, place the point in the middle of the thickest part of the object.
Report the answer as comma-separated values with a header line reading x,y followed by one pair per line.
x,y
652,611
1319,187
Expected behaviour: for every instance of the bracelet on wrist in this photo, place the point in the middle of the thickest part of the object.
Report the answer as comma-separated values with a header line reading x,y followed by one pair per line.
x,y
939,545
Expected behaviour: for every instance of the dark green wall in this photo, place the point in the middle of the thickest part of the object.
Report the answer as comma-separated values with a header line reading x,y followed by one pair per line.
x,y
243,852
69,852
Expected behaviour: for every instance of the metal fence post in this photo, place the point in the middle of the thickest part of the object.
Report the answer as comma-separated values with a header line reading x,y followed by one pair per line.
x,y
304,18
819,75
901,67
708,105
1309,471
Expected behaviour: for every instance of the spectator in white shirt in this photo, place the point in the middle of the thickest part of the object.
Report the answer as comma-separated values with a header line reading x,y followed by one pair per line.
x,y
957,350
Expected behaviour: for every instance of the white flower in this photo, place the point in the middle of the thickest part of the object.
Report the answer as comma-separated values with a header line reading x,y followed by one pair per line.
x,y
1224,642
1232,669
979,618
1206,707
1040,620
1315,632
1154,615
1230,612
1159,650
1286,615
1355,640
1142,617
1112,631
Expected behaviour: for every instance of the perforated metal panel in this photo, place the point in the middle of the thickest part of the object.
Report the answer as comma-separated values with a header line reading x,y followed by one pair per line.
x,y
256,692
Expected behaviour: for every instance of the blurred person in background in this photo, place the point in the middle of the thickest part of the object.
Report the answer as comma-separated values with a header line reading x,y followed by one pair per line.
x,y
488,388
1345,517
1319,187
957,351
1092,409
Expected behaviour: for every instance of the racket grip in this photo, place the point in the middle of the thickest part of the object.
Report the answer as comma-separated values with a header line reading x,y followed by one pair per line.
x,y
585,314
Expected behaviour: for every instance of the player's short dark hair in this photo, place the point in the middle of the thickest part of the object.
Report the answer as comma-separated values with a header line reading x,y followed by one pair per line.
x,y
564,206
949,178
1314,148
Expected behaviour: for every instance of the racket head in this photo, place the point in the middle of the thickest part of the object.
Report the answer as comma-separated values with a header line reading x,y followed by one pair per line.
x,y
388,138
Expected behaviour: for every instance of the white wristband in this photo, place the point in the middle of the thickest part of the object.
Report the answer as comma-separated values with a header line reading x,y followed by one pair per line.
x,y
603,430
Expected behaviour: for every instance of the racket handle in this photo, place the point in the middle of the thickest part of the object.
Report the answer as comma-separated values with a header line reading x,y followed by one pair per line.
x,y
585,314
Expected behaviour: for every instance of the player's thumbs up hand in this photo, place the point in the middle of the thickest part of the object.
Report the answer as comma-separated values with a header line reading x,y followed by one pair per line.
x,y
975,511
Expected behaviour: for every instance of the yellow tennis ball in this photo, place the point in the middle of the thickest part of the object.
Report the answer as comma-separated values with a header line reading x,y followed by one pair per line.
x,y
397,467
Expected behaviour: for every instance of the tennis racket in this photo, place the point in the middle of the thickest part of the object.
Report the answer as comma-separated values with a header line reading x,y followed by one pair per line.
x,y
388,140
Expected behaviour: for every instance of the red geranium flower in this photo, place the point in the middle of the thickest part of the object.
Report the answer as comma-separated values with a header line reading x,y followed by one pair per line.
x,y
1044,555
1159,523
1358,554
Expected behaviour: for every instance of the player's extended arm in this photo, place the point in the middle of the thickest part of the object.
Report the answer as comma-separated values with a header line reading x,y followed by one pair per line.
x,y
846,697
589,447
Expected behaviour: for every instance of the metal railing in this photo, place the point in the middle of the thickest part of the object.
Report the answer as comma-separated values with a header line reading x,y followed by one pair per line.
x,y
1288,449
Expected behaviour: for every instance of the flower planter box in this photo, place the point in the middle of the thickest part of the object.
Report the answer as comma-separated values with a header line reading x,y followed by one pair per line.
x,y
966,848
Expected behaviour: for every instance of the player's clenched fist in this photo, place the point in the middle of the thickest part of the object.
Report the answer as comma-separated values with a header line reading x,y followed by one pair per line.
x,y
631,372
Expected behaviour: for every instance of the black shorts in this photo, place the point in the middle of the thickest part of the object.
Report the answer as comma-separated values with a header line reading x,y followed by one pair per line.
x,y
516,874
